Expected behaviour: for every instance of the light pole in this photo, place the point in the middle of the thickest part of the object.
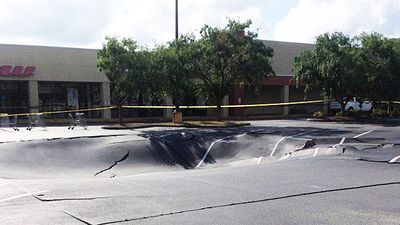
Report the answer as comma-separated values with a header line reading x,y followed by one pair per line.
x,y
176,19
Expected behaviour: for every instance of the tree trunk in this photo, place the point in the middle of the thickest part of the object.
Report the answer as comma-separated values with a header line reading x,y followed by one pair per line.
x,y
342,107
177,109
219,112
218,102
119,114
176,103
388,109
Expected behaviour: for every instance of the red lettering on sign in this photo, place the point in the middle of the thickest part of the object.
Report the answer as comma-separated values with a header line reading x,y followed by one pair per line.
x,y
17,71
29,70
5,70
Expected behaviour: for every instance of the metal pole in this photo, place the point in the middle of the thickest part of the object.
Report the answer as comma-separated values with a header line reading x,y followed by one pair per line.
x,y
176,19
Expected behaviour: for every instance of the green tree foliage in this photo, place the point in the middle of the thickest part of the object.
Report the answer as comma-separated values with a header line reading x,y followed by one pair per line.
x,y
330,68
115,60
172,64
210,66
380,64
367,66
127,67
224,57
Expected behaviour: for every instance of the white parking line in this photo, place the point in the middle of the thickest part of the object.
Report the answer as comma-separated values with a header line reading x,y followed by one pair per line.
x,y
357,136
394,159
212,144
300,139
340,143
276,145
315,154
280,140
23,195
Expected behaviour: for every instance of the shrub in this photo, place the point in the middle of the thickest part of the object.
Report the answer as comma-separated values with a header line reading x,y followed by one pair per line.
x,y
396,112
339,114
319,114
356,114
379,113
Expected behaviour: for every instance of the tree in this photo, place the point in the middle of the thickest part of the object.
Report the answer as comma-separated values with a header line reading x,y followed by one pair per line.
x,y
126,67
331,67
380,62
172,64
224,57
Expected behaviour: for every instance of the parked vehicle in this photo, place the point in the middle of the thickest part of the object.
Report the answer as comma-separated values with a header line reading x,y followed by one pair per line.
x,y
354,104
358,105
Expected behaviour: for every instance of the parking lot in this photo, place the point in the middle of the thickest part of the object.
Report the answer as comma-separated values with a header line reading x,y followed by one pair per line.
x,y
271,172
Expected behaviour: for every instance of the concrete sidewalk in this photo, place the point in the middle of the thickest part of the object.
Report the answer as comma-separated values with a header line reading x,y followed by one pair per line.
x,y
9,135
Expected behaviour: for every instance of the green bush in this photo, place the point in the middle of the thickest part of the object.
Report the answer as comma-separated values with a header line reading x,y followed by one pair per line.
x,y
396,112
339,113
379,113
319,114
356,114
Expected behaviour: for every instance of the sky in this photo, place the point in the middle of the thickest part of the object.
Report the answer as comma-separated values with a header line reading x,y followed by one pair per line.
x,y
86,23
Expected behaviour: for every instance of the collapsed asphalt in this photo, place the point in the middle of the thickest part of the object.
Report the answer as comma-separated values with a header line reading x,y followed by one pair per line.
x,y
267,173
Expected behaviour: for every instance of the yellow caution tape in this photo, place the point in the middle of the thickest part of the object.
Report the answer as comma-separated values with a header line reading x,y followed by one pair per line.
x,y
173,107
57,112
76,110
223,106
198,107
148,107
163,107
3,115
385,102
273,104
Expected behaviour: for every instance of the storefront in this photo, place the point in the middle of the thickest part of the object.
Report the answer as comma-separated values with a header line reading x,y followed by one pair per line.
x,y
279,89
57,96
41,79
14,96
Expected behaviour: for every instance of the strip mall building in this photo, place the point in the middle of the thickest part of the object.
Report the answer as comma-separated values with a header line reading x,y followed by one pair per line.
x,y
39,79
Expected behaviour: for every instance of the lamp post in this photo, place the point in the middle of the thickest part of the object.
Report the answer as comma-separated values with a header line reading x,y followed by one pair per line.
x,y
176,19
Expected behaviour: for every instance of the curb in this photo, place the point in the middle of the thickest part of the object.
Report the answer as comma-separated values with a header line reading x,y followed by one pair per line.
x,y
355,121
177,125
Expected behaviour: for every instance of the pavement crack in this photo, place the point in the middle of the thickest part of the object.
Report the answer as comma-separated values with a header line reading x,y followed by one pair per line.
x,y
88,137
114,164
75,217
70,199
251,202
65,212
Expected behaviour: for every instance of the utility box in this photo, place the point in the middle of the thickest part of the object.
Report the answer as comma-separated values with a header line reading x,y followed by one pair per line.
x,y
177,117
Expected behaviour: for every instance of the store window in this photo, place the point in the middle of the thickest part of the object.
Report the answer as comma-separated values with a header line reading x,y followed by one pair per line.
x,y
14,97
56,96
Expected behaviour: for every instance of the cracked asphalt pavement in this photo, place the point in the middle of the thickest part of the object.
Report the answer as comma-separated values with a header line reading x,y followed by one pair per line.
x,y
271,172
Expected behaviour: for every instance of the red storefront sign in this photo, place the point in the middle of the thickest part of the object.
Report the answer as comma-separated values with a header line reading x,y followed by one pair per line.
x,y
17,71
